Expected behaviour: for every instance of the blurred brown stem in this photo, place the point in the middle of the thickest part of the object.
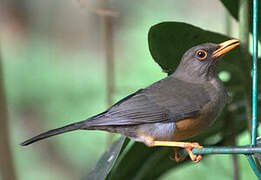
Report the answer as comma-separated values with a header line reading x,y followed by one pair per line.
x,y
228,120
229,128
235,167
109,54
100,12
6,161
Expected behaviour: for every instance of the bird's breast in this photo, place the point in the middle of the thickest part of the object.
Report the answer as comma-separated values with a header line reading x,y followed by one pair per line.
x,y
188,128
192,126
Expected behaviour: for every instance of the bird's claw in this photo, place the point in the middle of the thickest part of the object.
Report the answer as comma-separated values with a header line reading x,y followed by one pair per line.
x,y
193,157
188,147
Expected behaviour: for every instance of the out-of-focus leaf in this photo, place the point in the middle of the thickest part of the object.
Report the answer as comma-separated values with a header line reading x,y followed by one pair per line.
x,y
233,7
106,162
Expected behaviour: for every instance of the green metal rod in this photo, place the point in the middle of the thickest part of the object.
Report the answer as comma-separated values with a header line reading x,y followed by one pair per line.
x,y
254,87
253,165
254,73
224,150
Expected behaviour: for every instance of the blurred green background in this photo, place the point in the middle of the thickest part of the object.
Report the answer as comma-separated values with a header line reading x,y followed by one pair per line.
x,y
54,67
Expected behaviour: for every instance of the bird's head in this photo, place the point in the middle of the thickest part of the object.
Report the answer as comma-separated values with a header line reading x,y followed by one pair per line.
x,y
199,62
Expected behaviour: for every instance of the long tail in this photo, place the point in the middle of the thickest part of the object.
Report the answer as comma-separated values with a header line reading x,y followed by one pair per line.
x,y
70,127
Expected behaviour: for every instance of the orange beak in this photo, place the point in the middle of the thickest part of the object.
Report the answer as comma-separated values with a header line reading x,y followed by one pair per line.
x,y
225,47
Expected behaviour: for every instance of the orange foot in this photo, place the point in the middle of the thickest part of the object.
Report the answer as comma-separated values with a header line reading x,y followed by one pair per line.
x,y
186,145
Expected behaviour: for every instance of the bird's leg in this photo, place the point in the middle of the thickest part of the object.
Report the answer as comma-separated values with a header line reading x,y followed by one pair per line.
x,y
186,145
177,156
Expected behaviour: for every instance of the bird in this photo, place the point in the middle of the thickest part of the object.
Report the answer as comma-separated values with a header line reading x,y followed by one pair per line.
x,y
169,111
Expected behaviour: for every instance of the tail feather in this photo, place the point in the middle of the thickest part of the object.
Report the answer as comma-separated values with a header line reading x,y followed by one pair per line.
x,y
67,128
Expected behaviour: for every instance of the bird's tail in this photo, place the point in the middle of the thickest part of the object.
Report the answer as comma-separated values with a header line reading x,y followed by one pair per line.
x,y
70,127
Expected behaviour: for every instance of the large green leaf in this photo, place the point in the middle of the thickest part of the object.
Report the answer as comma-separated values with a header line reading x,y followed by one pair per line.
x,y
168,41
106,162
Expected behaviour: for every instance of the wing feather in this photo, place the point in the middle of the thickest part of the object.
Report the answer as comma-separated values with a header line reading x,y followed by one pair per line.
x,y
167,100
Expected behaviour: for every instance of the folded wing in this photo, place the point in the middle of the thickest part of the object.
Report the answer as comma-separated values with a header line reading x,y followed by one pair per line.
x,y
167,100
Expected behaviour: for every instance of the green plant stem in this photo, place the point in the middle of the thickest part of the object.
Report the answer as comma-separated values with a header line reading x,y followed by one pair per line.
x,y
228,26
229,119
7,170
244,44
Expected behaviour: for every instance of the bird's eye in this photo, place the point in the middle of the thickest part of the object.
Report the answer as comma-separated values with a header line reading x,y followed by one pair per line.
x,y
201,54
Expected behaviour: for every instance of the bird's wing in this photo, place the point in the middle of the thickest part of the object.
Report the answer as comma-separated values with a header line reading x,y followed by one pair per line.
x,y
167,100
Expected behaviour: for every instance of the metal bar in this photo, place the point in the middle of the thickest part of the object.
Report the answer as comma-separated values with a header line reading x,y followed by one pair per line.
x,y
248,150
254,73
253,166
254,88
